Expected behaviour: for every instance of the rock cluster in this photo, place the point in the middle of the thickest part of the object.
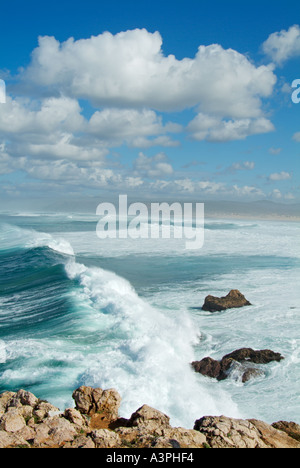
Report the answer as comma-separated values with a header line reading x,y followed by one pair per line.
x,y
238,361
27,422
235,299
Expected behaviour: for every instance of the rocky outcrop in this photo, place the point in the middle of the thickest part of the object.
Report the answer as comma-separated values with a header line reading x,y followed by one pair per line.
x,y
238,362
95,400
234,299
27,422
222,432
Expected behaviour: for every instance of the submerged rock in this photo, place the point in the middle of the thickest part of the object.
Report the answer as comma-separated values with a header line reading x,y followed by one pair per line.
x,y
234,299
239,361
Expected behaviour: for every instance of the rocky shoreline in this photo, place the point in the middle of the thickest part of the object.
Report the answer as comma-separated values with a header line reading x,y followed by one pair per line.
x,y
94,422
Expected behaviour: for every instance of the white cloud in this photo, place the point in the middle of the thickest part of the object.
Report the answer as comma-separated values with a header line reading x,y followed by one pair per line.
x,y
275,151
296,136
55,128
247,165
211,128
132,126
152,167
130,70
283,45
276,194
280,176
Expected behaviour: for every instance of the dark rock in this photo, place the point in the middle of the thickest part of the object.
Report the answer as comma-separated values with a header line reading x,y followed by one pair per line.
x,y
290,428
251,373
221,370
234,299
208,367
264,356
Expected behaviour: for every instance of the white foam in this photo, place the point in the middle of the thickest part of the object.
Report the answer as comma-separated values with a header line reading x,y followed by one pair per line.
x,y
13,237
149,354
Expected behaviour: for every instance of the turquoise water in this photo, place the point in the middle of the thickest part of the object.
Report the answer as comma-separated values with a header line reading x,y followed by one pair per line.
x,y
76,310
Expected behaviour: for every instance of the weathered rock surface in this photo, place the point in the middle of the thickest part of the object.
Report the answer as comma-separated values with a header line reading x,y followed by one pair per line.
x,y
234,299
222,432
238,361
95,400
27,422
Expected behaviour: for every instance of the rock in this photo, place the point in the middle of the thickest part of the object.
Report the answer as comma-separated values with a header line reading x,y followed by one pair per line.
x,y
238,361
83,399
264,356
147,427
4,401
12,421
82,442
44,410
223,432
149,418
75,417
24,398
251,374
208,367
54,432
10,440
103,438
92,400
234,299
186,438
274,438
290,428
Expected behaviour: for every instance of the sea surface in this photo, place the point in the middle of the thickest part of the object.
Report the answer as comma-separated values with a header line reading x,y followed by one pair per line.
x,y
126,313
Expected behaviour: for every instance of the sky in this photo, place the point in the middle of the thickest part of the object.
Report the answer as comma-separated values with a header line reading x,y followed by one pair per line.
x,y
183,100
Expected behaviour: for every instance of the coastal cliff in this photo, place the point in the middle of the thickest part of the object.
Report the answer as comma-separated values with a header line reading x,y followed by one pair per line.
x,y
94,422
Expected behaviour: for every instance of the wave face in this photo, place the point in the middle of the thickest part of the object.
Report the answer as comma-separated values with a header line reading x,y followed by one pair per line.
x,y
75,310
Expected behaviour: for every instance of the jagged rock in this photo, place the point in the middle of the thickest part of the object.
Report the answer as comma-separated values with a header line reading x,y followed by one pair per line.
x,y
12,421
147,427
208,367
221,370
4,400
75,417
82,442
223,432
24,398
150,418
103,438
186,438
44,409
234,299
290,428
251,374
274,438
54,432
264,356
92,400
12,440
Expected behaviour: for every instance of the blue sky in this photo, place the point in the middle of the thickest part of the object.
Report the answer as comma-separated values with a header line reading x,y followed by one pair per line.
x,y
159,99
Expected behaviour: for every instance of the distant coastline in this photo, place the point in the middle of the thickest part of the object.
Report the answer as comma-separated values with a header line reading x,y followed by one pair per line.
x,y
262,210
235,216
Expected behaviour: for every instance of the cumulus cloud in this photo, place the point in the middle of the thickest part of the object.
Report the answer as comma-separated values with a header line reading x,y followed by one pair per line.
x,y
129,69
130,86
284,45
152,167
132,126
277,176
215,129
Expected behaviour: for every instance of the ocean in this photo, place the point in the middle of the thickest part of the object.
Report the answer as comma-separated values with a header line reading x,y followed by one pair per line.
x,y
123,313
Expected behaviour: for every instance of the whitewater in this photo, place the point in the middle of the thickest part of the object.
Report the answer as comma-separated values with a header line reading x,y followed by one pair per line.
x,y
126,313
